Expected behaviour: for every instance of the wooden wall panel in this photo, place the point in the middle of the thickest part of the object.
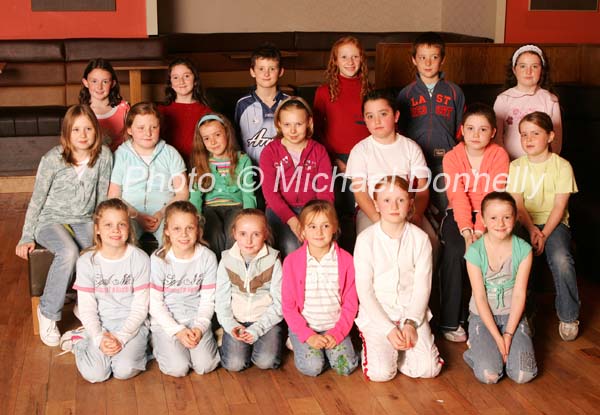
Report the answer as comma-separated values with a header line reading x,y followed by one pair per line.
x,y
486,63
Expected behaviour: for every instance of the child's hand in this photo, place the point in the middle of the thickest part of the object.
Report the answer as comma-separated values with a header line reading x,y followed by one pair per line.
x,y
295,226
396,338
410,336
187,338
340,165
196,335
158,217
147,222
501,346
317,341
240,334
110,345
331,341
23,249
507,343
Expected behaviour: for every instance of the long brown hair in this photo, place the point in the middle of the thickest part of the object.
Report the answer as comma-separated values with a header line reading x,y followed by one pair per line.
x,y
200,155
116,204
180,206
114,95
332,72
72,114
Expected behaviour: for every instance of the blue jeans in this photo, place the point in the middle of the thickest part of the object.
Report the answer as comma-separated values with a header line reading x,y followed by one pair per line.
x,y
285,240
264,353
311,362
485,359
562,265
65,247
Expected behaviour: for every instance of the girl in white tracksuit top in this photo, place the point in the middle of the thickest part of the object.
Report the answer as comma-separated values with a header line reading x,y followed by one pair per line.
x,y
392,259
182,296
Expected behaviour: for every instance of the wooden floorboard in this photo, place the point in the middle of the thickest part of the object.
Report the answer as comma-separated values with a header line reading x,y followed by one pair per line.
x,y
35,379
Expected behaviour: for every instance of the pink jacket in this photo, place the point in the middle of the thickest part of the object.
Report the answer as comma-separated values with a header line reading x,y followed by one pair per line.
x,y
285,186
293,287
465,195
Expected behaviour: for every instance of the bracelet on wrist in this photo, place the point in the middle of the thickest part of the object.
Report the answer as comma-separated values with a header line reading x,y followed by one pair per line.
x,y
508,333
410,322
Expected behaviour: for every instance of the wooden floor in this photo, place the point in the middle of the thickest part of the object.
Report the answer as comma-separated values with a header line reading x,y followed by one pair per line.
x,y
34,379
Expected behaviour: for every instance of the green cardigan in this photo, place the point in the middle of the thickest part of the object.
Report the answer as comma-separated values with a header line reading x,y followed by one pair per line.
x,y
240,190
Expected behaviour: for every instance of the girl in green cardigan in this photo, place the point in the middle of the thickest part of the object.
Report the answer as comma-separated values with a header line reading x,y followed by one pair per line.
x,y
221,179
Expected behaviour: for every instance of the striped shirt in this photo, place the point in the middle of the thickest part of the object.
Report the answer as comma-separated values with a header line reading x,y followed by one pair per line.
x,y
322,301
222,168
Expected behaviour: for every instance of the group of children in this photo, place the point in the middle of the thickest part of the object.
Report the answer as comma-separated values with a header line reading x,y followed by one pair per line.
x,y
198,185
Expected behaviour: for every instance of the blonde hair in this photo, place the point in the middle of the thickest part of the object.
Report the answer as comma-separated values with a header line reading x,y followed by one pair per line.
x,y
244,213
332,71
115,204
180,206
299,104
318,206
74,112
200,155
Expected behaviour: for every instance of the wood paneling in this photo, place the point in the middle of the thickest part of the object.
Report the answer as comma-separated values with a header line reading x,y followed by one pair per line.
x,y
485,63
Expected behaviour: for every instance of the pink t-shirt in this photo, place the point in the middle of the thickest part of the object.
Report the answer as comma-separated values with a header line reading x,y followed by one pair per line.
x,y
112,124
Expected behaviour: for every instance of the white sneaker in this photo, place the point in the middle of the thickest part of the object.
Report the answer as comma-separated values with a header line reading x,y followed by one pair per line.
x,y
219,336
70,338
568,331
459,335
288,344
49,333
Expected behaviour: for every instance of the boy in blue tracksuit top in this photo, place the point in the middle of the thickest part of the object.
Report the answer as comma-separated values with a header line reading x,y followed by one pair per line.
x,y
431,110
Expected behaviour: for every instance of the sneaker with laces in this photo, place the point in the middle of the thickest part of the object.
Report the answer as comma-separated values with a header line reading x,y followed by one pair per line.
x,y
568,331
219,336
70,338
458,336
49,333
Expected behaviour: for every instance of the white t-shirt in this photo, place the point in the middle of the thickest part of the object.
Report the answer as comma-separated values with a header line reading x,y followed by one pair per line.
x,y
373,161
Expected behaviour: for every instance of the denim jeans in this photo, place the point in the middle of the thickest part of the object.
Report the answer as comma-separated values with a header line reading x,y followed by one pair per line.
x,y
285,240
485,359
562,265
217,229
311,362
65,247
264,353
439,199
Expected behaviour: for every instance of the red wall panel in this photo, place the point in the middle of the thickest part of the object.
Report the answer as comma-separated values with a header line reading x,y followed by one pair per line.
x,y
523,26
17,21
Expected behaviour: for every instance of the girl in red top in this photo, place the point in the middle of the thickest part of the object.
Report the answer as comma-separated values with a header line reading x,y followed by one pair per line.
x,y
472,169
338,117
185,104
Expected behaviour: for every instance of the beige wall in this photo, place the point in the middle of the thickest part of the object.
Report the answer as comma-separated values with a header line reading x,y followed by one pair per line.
x,y
202,16
468,17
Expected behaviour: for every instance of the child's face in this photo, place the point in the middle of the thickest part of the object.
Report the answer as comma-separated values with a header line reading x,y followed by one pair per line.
x,y
428,60
534,139
267,72
478,132
144,132
381,119
319,232
250,234
528,70
294,124
113,228
182,230
99,82
182,80
348,60
83,134
393,204
499,218
214,138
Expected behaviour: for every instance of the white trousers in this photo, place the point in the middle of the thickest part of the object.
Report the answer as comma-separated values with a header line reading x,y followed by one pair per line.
x,y
381,362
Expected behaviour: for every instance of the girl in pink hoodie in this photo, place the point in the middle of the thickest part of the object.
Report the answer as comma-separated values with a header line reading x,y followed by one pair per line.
x,y
319,298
